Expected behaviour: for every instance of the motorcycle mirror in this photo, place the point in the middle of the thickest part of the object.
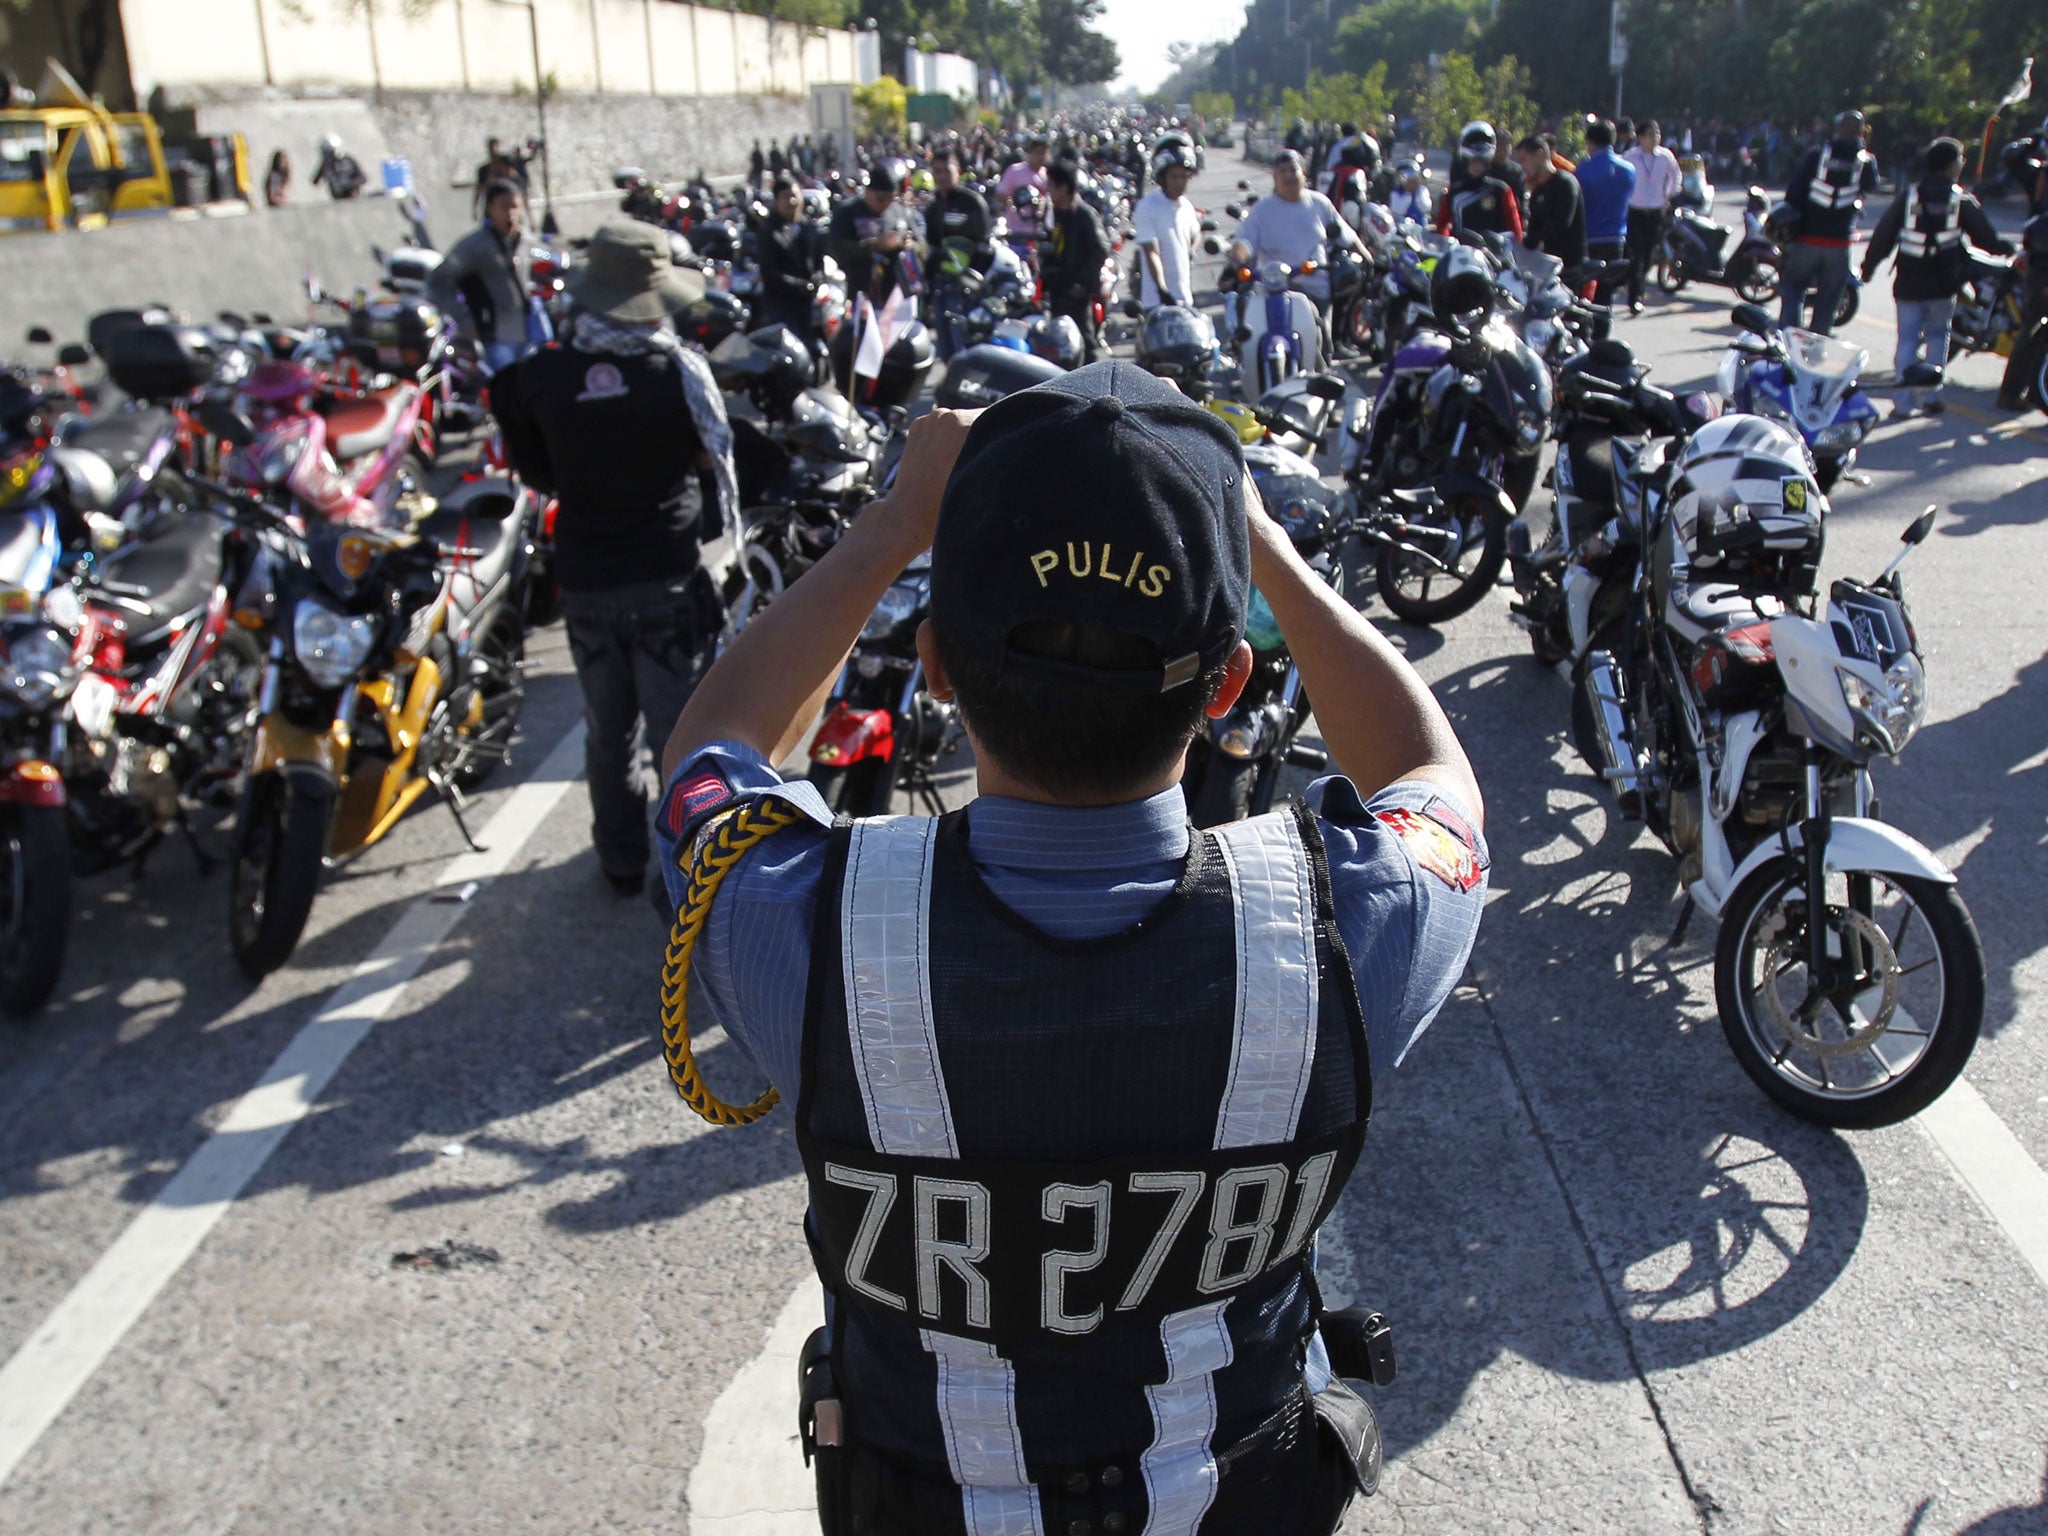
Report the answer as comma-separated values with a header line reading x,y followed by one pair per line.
x,y
1324,386
39,335
261,317
1235,210
232,320
1212,246
1751,318
1133,309
1208,226
1920,527
72,355
1922,376
1244,186
227,423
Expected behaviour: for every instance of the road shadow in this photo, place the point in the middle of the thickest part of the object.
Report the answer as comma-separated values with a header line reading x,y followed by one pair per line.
x,y
2014,1520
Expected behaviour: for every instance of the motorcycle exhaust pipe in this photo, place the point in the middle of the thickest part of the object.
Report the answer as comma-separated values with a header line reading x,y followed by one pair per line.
x,y
1614,755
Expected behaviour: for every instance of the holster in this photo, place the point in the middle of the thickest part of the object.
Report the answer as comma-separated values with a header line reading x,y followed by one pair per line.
x,y
1361,1347
821,1427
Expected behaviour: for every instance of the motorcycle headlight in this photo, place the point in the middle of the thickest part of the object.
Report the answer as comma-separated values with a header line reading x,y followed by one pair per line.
x,y
901,603
1839,436
1887,712
37,660
330,646
280,456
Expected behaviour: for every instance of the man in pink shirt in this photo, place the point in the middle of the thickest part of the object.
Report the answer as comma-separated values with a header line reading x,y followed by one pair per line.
x,y
1028,172
1657,183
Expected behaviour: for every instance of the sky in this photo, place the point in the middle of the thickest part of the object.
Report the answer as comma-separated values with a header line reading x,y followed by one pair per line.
x,y
1143,29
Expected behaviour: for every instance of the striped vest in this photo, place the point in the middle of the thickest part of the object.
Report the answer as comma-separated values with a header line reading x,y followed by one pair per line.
x,y
1838,180
1931,227
1064,1193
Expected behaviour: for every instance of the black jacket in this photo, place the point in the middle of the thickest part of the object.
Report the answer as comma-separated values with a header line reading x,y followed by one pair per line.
x,y
1826,226
1554,219
1071,262
1929,277
613,439
959,212
791,255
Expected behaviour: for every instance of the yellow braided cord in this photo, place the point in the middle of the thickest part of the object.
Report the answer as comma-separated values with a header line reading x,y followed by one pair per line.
x,y
714,859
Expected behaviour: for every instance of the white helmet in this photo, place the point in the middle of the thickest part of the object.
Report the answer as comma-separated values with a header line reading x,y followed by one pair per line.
x,y
1477,141
1743,498
331,143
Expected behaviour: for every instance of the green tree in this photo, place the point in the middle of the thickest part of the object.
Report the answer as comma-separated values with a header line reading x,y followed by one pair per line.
x,y
1403,33
1074,52
884,105
1213,107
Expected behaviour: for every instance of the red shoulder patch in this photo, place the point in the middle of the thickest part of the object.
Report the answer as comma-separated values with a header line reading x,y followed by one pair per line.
x,y
692,799
1433,843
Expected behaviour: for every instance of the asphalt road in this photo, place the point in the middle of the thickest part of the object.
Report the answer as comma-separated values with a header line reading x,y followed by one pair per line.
x,y
490,1275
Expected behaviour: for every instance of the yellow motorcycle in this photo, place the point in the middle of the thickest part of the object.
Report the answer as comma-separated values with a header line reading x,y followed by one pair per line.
x,y
394,667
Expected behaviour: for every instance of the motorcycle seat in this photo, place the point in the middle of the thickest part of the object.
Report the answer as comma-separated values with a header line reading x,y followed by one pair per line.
x,y
478,542
362,424
1592,456
165,576
121,438
90,482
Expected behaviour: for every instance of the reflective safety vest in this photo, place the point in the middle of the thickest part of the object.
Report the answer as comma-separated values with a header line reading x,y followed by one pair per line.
x,y
1932,227
1064,1193
1838,181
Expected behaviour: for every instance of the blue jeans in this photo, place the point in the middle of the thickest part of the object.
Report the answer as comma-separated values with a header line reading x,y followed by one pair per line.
x,y
1923,337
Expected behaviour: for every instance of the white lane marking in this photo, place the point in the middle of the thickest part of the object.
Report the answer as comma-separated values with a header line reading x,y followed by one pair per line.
x,y
751,1479
1994,1166
82,1330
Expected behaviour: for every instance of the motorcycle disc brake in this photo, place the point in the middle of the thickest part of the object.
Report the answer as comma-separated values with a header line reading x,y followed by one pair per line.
x,y
1876,991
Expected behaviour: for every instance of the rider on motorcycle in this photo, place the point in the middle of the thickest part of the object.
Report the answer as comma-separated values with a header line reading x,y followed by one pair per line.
x,y
1297,226
792,258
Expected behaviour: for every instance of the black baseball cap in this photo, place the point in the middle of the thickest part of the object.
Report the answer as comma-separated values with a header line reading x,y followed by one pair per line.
x,y
1103,497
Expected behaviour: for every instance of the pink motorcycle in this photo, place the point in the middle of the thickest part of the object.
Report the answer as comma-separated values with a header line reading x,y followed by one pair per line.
x,y
353,457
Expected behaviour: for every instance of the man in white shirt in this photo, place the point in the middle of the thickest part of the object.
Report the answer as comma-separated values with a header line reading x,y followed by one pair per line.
x,y
1657,183
1168,230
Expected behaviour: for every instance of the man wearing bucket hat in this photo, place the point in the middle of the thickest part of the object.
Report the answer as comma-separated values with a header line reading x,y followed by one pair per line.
x,y
624,425
1075,1084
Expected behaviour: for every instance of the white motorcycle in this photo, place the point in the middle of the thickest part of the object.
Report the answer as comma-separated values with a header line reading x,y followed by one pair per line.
x,y
1274,325
1738,717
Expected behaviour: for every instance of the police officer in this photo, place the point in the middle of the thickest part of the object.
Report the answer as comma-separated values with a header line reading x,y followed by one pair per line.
x,y
619,425
1928,225
1075,1083
1826,190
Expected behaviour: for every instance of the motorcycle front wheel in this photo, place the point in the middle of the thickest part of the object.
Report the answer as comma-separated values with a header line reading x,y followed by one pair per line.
x,y
1872,1050
35,904
1670,272
280,841
1758,281
1463,545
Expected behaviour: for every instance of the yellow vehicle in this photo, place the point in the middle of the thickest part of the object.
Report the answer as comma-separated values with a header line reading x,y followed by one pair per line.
x,y
78,167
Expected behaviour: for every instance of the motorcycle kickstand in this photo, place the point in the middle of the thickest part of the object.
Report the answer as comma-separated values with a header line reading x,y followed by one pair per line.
x,y
207,863
453,798
1685,912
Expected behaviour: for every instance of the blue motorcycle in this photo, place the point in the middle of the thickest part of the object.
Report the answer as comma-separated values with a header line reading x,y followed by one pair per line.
x,y
1807,381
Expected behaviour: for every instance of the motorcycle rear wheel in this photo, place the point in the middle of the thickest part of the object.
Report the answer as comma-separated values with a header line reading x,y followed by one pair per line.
x,y
1670,273
1758,281
1835,1071
35,904
1472,570
280,841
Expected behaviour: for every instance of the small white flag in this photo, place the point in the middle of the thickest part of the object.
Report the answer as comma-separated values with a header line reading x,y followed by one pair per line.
x,y
897,316
867,356
2021,89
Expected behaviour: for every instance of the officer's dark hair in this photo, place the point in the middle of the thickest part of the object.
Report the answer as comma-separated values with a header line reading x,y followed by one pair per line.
x,y
1100,745
784,183
947,152
1061,174
1945,157
1532,144
1599,132
497,189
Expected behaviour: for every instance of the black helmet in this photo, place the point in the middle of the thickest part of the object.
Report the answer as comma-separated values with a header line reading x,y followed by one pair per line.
x,y
1177,343
1361,153
1027,199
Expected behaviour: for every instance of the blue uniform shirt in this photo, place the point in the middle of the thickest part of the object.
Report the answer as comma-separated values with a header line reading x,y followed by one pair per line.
x,y
1407,870
1605,183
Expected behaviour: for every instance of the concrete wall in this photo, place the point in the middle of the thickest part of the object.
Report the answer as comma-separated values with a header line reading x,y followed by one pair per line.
x,y
199,50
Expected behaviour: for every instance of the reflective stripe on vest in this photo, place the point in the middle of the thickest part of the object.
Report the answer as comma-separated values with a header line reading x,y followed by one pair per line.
x,y
1932,227
1838,183
885,905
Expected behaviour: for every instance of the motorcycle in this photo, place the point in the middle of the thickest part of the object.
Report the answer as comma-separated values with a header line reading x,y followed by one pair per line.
x,y
1273,324
1608,415
1694,249
1991,307
1737,715
346,456
1461,417
1806,381
393,665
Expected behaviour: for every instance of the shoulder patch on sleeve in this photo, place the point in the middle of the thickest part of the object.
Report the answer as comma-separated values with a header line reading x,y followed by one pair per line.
x,y
691,800
1439,841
